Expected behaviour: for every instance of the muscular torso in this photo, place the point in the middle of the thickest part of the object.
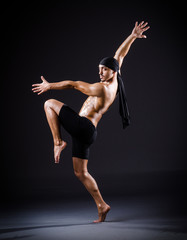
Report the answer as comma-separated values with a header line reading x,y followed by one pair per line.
x,y
94,107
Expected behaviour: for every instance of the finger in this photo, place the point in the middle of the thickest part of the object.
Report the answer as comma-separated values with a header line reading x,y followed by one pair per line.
x,y
144,36
136,24
36,85
145,29
43,79
40,92
34,89
145,24
141,23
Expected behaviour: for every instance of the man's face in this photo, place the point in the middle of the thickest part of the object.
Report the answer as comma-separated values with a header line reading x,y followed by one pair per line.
x,y
105,73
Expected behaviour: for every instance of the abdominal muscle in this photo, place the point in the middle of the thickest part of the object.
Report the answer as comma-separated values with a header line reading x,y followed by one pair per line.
x,y
91,110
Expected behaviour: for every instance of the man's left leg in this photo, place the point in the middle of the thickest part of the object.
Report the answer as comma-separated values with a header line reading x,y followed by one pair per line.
x,y
81,171
52,108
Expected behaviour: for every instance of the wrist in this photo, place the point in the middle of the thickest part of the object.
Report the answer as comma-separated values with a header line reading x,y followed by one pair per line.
x,y
49,86
133,36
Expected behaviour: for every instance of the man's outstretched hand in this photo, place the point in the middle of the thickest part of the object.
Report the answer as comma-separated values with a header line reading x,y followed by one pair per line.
x,y
41,87
138,30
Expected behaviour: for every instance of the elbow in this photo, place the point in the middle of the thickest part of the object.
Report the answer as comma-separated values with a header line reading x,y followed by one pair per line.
x,y
119,57
116,55
75,85
70,84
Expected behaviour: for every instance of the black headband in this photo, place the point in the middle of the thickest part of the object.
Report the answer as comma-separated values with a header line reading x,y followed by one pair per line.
x,y
113,64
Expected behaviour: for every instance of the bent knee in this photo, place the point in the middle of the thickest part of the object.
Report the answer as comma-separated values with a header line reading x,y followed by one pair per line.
x,y
81,175
49,103
53,104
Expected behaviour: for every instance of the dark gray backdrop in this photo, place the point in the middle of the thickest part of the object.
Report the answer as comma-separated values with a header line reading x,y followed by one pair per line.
x,y
66,41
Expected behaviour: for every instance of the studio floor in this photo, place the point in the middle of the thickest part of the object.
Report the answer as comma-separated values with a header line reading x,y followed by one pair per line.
x,y
130,218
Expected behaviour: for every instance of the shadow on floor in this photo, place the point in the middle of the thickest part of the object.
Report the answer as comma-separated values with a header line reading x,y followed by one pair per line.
x,y
162,225
8,230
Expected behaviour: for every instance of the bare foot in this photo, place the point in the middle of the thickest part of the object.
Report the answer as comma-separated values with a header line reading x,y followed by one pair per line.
x,y
102,213
58,149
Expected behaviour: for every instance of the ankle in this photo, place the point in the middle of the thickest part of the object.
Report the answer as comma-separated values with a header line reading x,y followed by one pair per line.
x,y
58,142
101,205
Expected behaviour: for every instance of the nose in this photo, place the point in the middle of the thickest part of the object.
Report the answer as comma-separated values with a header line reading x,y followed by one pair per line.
x,y
100,71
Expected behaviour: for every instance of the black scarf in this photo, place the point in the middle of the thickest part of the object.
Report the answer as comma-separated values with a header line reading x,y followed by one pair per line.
x,y
113,64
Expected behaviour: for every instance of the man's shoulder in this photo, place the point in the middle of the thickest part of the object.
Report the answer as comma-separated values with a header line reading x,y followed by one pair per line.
x,y
99,85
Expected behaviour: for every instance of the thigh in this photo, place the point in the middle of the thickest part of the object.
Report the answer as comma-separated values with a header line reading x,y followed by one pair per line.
x,y
80,149
79,164
70,120
78,127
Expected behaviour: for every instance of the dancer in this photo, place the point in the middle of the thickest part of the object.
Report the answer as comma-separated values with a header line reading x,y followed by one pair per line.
x,y
83,126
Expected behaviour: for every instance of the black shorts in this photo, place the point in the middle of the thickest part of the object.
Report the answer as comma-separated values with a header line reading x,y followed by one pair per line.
x,y
81,129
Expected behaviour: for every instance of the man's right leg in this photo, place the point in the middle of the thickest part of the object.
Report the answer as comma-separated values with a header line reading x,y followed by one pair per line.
x,y
81,171
52,108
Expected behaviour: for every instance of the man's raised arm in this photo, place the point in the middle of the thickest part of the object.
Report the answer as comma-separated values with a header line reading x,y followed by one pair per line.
x,y
125,46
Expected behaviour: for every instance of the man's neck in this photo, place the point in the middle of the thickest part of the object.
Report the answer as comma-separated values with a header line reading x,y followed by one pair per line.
x,y
109,81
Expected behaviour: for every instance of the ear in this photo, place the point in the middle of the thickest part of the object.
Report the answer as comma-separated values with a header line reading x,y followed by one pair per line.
x,y
115,74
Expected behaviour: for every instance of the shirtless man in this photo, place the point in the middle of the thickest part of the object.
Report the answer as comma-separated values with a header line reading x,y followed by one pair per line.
x,y
83,126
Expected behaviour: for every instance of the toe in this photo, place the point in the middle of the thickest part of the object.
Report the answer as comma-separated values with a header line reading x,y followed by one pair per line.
x,y
56,159
97,221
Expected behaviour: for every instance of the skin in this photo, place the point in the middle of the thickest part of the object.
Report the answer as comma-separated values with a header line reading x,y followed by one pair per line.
x,y
100,97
